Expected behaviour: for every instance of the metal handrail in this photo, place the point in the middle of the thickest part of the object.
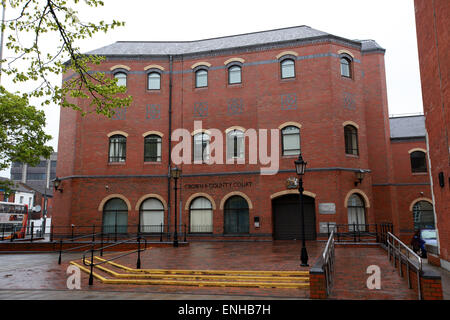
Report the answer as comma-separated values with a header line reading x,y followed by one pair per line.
x,y
328,262
61,242
401,251
327,246
92,250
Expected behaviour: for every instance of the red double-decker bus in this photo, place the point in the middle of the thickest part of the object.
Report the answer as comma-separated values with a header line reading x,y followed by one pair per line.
x,y
13,220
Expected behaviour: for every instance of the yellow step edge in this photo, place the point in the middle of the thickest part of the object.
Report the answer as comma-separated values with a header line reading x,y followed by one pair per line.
x,y
215,272
198,277
192,283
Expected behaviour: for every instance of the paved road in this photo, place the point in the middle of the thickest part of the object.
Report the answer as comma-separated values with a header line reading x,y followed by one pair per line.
x,y
32,294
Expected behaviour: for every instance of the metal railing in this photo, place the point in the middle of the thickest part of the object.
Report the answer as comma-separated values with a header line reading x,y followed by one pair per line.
x,y
119,232
354,232
328,260
91,264
399,253
12,232
86,236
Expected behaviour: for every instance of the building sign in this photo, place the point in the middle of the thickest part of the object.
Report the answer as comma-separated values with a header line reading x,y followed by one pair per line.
x,y
327,208
218,185
327,227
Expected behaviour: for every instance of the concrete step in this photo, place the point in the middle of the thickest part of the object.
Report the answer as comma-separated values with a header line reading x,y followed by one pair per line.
x,y
272,273
200,278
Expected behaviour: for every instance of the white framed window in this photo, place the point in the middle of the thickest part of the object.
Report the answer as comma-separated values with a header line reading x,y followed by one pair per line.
x,y
154,81
201,147
287,69
152,216
121,78
201,216
290,136
235,144
201,78
234,74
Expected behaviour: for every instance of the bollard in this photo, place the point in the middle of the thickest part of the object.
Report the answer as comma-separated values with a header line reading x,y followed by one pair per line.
x,y
60,251
91,275
138,262
101,244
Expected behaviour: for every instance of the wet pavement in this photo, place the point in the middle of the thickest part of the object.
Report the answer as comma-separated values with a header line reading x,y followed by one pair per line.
x,y
38,276
40,273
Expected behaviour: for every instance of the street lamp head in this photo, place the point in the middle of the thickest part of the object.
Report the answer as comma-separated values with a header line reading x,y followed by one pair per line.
x,y
57,184
359,176
300,165
175,172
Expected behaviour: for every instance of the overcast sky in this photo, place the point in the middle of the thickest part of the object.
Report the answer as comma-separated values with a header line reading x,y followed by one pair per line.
x,y
390,23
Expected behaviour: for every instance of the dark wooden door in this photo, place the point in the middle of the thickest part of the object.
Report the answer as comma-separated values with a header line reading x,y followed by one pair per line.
x,y
287,222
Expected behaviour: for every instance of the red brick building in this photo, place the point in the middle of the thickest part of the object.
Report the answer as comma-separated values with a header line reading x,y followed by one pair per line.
x,y
432,24
321,93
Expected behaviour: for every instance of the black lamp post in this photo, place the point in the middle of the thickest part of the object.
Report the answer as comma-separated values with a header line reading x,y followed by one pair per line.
x,y
300,167
175,174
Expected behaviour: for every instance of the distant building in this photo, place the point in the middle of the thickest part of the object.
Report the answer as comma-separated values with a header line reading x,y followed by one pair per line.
x,y
39,176
38,180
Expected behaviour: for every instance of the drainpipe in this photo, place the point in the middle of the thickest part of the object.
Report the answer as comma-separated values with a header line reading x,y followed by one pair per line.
x,y
170,147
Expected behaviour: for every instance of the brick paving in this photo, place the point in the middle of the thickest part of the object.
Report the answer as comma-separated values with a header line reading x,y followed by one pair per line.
x,y
40,273
46,274
351,277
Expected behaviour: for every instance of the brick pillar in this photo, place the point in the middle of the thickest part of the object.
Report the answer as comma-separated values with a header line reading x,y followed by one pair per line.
x,y
431,286
317,285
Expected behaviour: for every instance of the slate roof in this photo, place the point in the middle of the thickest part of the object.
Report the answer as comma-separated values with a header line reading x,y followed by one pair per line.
x,y
407,127
124,48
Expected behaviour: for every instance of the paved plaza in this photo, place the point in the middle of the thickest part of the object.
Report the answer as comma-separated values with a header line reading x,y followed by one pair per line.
x,y
38,276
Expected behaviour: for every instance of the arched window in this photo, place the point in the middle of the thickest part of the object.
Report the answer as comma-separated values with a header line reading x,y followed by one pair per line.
x,y
346,67
356,213
121,78
151,216
351,140
287,68
201,78
201,147
201,216
154,81
152,148
115,216
235,144
423,215
117,148
418,161
290,140
236,215
234,74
